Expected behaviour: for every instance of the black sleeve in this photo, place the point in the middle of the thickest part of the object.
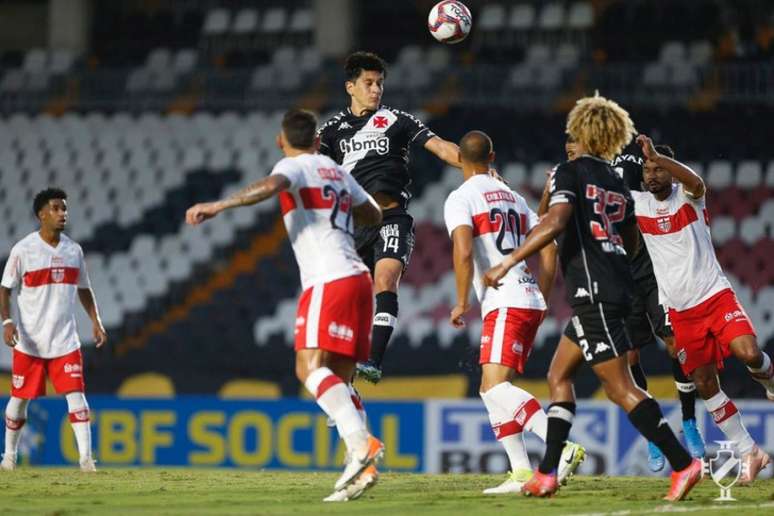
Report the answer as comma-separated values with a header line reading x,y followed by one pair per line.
x,y
326,141
563,185
416,131
629,217
629,165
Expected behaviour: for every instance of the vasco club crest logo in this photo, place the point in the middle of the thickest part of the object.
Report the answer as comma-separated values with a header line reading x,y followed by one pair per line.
x,y
725,468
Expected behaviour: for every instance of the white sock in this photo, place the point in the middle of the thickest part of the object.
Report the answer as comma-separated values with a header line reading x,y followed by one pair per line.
x,y
358,402
334,398
729,420
521,406
764,374
507,431
15,417
79,420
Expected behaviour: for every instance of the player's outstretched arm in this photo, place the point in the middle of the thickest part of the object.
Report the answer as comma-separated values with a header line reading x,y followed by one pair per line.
x,y
10,333
462,240
256,192
543,234
691,181
444,149
89,303
368,213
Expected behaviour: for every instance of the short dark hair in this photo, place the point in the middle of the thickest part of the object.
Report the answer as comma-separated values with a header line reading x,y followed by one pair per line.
x,y
666,150
300,127
475,147
42,198
357,62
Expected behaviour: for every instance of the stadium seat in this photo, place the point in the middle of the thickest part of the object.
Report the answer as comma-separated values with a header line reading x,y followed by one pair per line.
x,y
719,174
216,22
551,16
751,230
522,17
672,53
35,60
147,385
274,20
700,52
492,17
567,55
580,16
515,173
655,75
749,174
723,229
245,22
302,20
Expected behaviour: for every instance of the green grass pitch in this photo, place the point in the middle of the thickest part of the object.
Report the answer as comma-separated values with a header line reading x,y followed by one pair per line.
x,y
156,491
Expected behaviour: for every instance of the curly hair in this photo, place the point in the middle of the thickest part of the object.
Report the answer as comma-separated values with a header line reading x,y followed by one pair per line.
x,y
600,125
358,62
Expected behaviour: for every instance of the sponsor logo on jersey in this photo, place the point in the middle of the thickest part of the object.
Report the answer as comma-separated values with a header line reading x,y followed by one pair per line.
x,y
380,122
581,292
664,224
341,331
17,381
344,125
662,211
332,173
737,314
631,158
527,279
499,195
485,339
601,347
360,142
72,368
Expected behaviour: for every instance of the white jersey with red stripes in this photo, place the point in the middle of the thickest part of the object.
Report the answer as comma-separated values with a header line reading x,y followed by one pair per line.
x,y
500,219
48,279
677,233
317,211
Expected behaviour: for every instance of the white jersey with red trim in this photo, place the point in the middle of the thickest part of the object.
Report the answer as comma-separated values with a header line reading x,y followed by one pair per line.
x,y
48,279
500,219
317,211
676,231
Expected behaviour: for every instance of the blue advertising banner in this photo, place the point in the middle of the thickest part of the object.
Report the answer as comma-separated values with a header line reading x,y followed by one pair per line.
x,y
207,431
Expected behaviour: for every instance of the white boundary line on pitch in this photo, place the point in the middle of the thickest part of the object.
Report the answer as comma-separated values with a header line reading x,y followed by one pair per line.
x,y
675,508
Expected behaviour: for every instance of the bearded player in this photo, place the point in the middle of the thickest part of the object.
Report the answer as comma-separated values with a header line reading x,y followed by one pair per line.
x,y
708,321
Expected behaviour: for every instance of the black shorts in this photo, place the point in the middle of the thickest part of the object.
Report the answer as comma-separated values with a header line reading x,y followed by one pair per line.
x,y
599,330
647,319
394,238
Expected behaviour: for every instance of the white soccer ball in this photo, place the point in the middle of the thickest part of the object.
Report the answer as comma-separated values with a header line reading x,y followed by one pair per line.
x,y
449,21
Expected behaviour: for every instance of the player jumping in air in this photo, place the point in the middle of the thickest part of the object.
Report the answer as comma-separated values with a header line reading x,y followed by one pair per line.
x,y
487,220
648,322
49,270
372,142
592,211
708,320
319,201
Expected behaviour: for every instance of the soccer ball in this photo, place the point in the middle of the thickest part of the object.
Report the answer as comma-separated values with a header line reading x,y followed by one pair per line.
x,y
449,21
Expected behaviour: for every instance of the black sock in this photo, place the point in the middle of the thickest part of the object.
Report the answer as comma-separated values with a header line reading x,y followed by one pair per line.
x,y
384,322
648,419
639,376
560,417
686,390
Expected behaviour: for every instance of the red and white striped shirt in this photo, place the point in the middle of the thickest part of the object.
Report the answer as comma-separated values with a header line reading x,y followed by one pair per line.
x,y
48,279
500,219
677,233
317,211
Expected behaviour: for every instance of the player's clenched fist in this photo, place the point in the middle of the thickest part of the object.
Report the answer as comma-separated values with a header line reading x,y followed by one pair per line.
x,y
198,213
100,335
494,275
10,334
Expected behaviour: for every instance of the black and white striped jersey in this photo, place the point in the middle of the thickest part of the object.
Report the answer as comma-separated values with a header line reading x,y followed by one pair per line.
x,y
375,147
593,260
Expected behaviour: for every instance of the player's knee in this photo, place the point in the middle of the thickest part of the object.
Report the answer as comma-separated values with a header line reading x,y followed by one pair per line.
x,y
746,350
706,384
557,380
